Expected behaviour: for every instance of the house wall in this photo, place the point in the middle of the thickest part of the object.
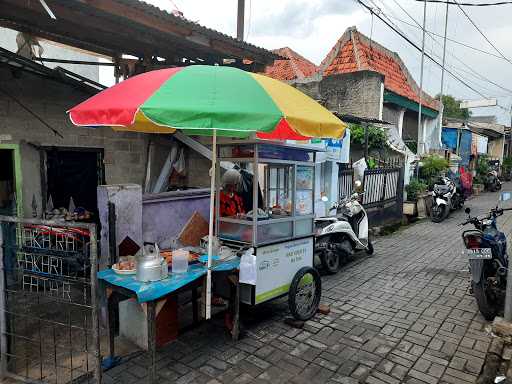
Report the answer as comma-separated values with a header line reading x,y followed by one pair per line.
x,y
391,114
410,126
495,148
125,152
357,93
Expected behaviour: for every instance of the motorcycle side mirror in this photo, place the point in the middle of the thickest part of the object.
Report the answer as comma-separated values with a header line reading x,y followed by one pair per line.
x,y
467,210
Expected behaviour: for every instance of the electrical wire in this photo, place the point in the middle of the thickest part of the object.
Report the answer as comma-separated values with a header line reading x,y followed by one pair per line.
x,y
483,35
468,4
476,74
448,38
403,36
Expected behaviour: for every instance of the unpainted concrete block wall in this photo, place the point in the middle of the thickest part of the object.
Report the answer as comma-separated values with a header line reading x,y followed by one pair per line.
x,y
125,152
357,93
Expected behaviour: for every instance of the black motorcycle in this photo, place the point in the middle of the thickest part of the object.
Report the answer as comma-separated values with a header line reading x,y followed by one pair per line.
x,y
447,195
492,181
486,248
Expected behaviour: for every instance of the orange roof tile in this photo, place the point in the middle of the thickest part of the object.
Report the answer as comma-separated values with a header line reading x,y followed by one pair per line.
x,y
345,58
296,67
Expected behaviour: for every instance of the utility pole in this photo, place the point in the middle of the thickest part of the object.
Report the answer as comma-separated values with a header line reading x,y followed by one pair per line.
x,y
240,20
442,75
421,143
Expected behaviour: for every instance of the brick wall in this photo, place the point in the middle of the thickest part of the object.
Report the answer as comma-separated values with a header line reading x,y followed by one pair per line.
x,y
357,93
125,152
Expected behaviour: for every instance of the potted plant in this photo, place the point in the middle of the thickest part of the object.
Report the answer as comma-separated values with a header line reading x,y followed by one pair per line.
x,y
414,190
481,169
506,168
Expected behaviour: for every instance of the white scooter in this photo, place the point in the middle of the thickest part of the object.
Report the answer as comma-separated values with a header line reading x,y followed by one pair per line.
x,y
340,235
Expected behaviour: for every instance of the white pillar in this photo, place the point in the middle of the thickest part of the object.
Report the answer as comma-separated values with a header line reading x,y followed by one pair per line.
x,y
400,122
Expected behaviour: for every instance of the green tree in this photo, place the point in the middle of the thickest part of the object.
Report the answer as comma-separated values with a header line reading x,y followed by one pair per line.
x,y
452,109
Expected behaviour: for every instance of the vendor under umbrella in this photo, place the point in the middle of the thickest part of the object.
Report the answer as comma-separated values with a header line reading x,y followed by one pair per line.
x,y
231,203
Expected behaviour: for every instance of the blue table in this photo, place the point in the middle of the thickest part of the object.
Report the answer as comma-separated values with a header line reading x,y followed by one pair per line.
x,y
155,290
125,286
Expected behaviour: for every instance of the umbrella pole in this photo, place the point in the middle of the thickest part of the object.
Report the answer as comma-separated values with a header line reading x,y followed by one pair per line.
x,y
210,229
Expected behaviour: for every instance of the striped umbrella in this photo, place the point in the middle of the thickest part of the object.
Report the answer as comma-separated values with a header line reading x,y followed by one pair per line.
x,y
209,100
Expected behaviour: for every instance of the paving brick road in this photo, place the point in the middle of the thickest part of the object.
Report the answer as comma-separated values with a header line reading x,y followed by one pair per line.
x,y
401,316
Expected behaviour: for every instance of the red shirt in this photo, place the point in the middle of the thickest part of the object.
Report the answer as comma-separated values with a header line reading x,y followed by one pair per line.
x,y
230,205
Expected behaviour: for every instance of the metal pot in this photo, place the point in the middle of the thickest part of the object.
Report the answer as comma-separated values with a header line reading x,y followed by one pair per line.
x,y
151,266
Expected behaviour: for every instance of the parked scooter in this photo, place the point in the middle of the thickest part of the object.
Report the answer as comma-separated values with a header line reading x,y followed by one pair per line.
x,y
486,248
340,235
492,181
446,196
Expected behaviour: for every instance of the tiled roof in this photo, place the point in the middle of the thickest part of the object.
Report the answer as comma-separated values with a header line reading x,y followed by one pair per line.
x,y
296,67
355,52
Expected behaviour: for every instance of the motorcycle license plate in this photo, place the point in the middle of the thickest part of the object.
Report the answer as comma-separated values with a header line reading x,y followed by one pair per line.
x,y
479,253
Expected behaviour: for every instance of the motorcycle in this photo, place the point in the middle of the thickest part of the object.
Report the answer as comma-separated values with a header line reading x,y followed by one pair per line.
x,y
486,248
492,181
446,196
340,235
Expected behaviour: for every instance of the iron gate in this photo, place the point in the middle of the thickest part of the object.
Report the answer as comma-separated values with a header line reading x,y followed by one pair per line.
x,y
345,182
48,301
381,185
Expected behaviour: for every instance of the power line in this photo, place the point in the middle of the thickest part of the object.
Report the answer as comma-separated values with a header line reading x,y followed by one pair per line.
x,y
403,36
480,31
468,4
449,39
476,74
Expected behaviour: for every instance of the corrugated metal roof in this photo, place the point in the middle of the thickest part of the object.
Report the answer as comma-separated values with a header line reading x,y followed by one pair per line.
x,y
182,21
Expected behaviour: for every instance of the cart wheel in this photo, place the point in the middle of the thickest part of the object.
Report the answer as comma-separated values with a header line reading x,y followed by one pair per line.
x,y
304,294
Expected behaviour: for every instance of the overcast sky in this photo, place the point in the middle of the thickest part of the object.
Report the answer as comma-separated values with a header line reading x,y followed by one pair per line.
x,y
312,27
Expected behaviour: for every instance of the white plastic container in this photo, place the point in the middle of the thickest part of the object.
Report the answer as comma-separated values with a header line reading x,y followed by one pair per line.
x,y
180,261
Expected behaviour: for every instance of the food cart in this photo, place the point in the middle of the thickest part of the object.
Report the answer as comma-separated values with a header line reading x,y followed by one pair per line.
x,y
281,232
201,100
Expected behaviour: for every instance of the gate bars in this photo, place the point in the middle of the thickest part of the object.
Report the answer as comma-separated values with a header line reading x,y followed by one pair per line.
x,y
49,326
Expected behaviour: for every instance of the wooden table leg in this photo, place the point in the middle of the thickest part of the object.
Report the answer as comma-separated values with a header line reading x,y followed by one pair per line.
x,y
151,322
235,306
112,311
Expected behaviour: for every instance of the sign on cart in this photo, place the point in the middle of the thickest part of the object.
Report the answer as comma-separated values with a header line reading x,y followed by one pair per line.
x,y
277,264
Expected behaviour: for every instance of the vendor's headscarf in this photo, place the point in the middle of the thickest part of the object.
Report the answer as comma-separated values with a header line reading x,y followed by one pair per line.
x,y
231,177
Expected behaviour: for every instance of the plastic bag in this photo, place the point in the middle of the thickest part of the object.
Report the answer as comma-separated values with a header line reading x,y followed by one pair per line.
x,y
359,168
248,267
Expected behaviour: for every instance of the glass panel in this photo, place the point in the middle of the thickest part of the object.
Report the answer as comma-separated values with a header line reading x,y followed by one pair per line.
x,y
273,178
304,202
272,199
305,177
278,194
235,231
274,231
304,227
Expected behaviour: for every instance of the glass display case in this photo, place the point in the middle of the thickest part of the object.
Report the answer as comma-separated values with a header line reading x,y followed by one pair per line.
x,y
277,192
